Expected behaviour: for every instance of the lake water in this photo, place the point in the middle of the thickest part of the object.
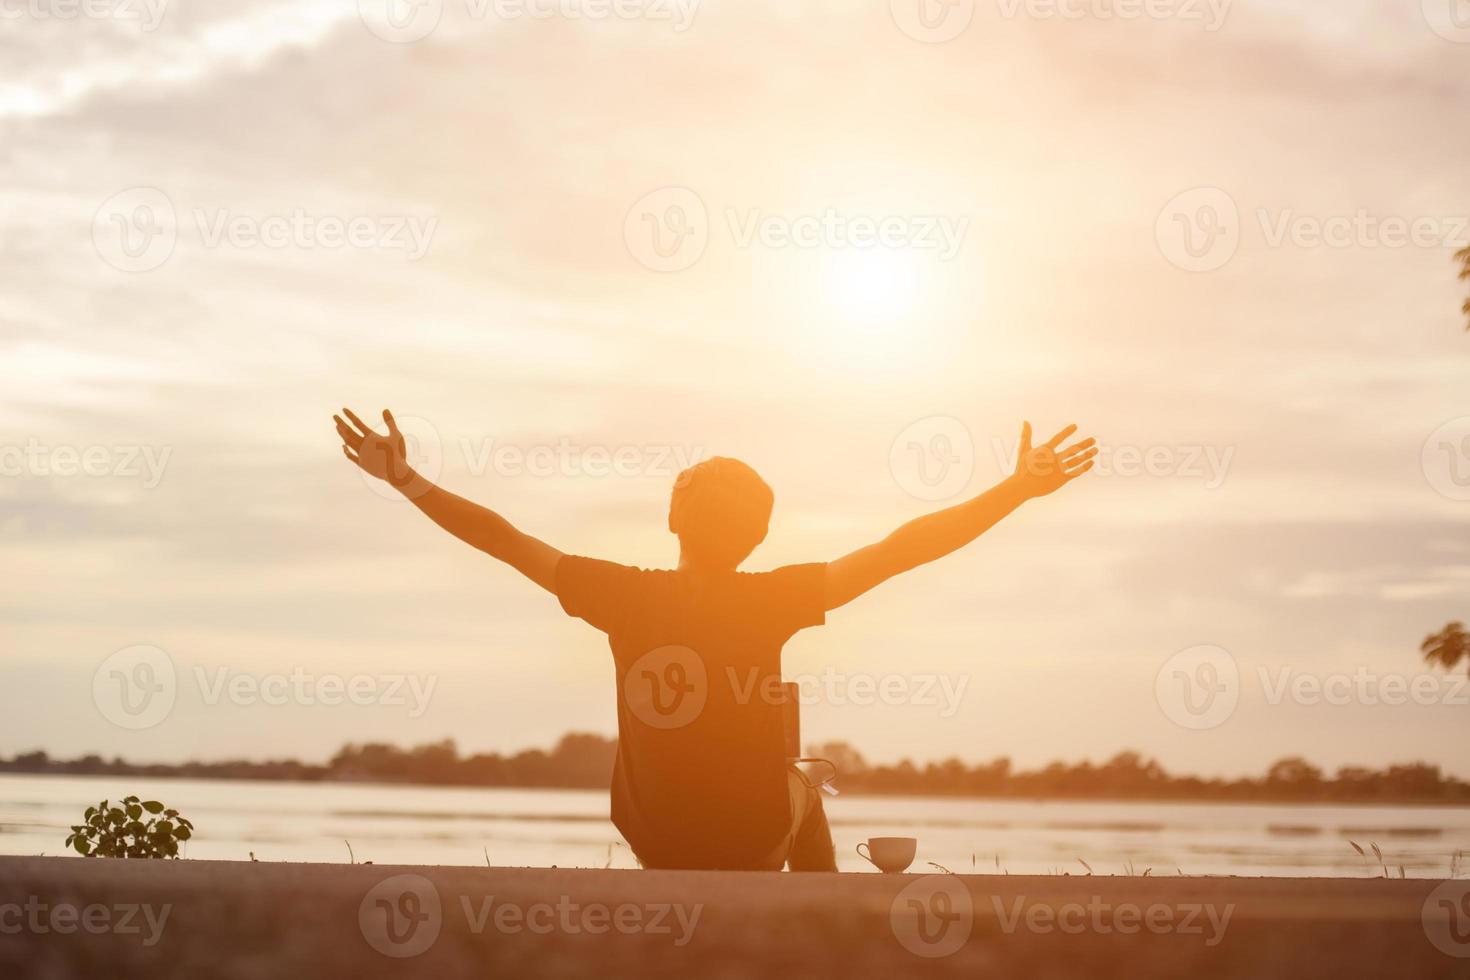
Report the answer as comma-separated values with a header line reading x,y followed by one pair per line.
x,y
286,821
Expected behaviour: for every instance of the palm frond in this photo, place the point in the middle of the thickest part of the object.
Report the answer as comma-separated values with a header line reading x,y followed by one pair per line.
x,y
1447,647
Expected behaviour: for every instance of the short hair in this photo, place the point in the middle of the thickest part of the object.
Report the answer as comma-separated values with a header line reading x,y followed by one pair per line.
x,y
720,509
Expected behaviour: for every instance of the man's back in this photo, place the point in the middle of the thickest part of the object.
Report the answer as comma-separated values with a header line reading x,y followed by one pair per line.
x,y
700,779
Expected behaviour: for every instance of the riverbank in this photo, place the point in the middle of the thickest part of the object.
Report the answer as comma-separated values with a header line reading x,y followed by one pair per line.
x,y
71,917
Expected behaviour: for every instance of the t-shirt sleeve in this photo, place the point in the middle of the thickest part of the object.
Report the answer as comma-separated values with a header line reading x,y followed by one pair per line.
x,y
796,597
600,592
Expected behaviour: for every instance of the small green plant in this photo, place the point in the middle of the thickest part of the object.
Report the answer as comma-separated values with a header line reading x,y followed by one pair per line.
x,y
122,831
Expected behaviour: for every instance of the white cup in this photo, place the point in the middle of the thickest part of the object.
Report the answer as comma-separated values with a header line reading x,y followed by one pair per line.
x,y
890,855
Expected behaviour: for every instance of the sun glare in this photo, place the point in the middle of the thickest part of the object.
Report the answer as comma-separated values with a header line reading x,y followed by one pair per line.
x,y
874,288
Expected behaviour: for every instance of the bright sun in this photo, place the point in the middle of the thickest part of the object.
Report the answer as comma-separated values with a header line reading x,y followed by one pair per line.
x,y
874,287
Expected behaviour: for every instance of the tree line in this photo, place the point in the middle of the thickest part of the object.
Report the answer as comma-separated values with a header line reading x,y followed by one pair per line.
x,y
584,761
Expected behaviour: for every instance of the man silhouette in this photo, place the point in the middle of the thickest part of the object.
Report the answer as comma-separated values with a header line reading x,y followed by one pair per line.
x,y
701,779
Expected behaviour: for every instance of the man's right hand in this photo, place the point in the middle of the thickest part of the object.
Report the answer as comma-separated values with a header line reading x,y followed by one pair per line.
x,y
382,456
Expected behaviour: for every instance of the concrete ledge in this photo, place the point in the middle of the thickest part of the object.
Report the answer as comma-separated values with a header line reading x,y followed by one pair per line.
x,y
245,920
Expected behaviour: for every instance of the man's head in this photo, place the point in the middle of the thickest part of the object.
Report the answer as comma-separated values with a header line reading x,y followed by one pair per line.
x,y
720,509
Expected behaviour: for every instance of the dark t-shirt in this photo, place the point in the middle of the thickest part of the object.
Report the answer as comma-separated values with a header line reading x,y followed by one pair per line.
x,y
700,778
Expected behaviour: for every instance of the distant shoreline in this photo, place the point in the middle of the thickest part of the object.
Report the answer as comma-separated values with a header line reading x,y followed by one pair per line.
x,y
585,761
865,793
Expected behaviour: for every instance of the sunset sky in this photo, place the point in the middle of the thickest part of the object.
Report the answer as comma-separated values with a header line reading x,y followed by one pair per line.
x,y
1284,426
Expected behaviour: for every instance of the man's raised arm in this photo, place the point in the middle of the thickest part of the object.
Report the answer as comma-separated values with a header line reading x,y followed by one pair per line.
x,y
386,457
1039,471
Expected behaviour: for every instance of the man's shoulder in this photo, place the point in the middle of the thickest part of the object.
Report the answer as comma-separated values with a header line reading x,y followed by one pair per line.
x,y
602,565
798,570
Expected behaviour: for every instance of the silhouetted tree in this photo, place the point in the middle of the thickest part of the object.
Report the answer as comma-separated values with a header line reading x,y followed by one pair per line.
x,y
848,760
583,760
1294,772
1447,647
1463,257
32,762
1414,780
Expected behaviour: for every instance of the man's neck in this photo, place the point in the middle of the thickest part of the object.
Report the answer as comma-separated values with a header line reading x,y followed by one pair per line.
x,y
702,569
